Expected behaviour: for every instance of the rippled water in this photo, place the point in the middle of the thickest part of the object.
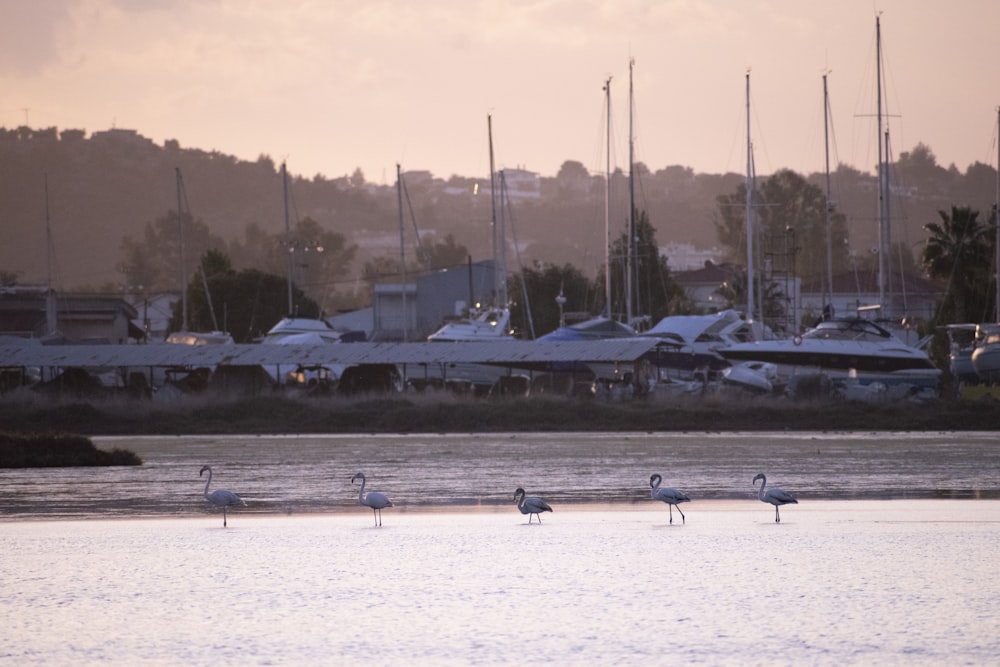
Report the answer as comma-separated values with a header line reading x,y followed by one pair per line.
x,y
130,566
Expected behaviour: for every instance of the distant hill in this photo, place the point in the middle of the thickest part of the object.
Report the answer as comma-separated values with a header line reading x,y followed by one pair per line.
x,y
109,184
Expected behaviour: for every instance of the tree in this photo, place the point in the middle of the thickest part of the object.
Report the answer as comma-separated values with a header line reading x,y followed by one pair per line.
x,y
434,254
655,293
959,249
734,291
542,284
919,168
9,278
244,303
319,258
154,263
572,170
790,216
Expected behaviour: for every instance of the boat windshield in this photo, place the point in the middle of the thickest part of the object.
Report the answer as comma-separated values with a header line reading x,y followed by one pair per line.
x,y
848,330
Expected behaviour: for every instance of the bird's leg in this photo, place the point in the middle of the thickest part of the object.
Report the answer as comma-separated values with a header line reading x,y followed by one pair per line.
x,y
777,515
683,520
671,508
223,516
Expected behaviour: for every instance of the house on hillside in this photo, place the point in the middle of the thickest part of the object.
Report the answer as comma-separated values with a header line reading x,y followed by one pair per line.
x,y
516,185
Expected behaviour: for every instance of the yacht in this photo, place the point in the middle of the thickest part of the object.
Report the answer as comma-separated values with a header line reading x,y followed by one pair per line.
x,y
986,354
697,340
301,330
843,348
304,331
483,325
487,324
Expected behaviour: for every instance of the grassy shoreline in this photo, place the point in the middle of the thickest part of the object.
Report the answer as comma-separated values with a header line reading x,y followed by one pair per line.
x,y
456,414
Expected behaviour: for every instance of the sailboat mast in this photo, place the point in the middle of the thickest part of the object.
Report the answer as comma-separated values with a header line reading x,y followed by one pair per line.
x,y
828,293
629,255
607,203
499,277
288,238
180,230
882,175
751,305
996,230
51,314
402,246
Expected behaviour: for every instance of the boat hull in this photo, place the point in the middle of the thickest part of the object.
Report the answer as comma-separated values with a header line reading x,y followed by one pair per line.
x,y
986,362
845,359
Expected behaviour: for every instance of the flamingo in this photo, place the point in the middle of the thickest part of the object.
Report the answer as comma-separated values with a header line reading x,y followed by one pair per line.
x,y
672,497
530,505
774,496
373,499
220,497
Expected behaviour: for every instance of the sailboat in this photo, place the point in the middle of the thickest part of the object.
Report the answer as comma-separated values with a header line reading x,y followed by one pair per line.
x,y
185,336
847,352
490,322
696,340
485,322
985,357
603,326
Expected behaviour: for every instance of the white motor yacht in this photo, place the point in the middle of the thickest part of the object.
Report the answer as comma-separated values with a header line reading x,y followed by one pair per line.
x,y
986,354
842,348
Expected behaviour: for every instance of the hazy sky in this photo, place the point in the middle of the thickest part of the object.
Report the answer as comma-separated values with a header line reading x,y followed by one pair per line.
x,y
331,85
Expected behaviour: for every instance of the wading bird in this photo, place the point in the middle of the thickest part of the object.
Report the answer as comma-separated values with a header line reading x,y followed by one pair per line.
x,y
776,497
530,505
220,497
672,497
373,499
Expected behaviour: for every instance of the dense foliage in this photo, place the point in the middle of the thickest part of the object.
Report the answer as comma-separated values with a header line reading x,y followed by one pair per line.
x,y
105,187
58,450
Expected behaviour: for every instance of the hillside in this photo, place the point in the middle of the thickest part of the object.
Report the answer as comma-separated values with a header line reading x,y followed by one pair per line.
x,y
110,184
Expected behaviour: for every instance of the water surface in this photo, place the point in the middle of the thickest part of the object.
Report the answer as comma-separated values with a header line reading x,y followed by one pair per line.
x,y
889,558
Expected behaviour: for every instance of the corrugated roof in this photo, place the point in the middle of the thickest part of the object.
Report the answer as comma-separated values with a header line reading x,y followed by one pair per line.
x,y
509,353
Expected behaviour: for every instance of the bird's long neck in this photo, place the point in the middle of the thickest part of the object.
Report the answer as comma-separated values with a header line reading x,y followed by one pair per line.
x,y
361,492
763,483
208,481
654,482
520,503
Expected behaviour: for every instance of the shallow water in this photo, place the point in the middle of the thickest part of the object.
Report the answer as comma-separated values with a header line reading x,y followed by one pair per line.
x,y
457,576
308,474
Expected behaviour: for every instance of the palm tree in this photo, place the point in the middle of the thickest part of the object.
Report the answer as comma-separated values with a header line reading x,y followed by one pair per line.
x,y
959,249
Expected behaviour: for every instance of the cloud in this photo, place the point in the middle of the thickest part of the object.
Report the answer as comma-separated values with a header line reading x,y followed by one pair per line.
x,y
29,34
